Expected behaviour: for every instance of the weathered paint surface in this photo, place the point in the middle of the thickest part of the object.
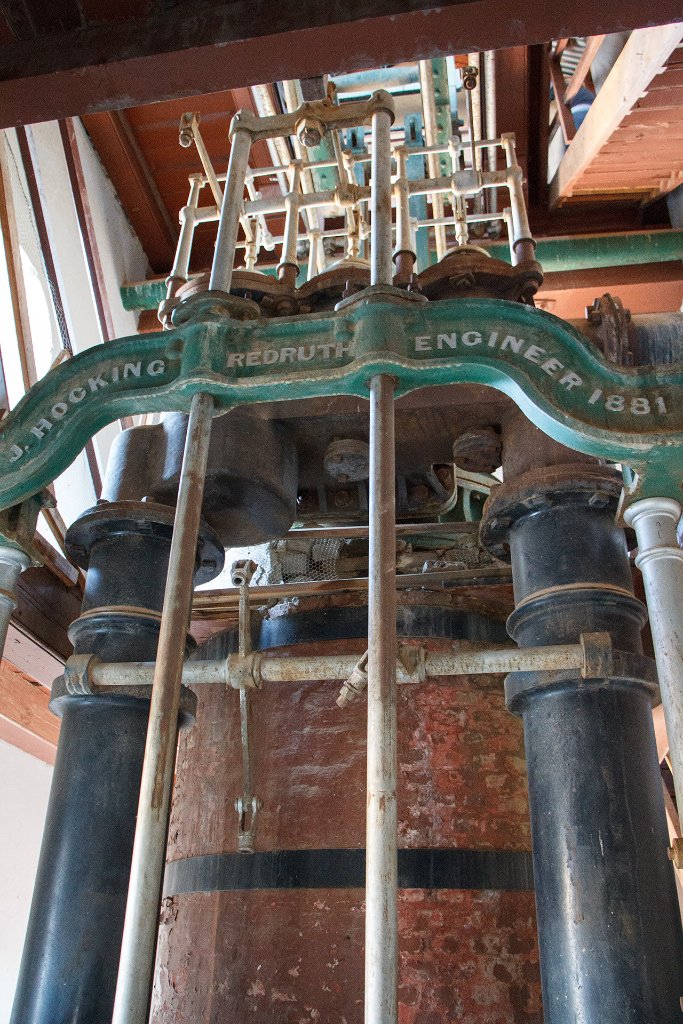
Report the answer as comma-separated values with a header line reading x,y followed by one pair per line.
x,y
297,955
294,957
564,386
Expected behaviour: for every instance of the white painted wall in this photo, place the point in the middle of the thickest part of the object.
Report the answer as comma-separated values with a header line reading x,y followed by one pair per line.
x,y
24,790
122,259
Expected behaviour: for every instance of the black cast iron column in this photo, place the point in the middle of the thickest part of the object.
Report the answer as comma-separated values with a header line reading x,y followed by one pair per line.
x,y
71,954
608,918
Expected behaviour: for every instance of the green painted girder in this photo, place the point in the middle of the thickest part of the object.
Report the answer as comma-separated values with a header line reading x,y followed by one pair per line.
x,y
577,252
632,416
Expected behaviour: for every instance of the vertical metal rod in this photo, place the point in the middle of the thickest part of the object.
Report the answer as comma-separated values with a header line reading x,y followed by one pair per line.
x,y
507,216
381,271
231,211
136,966
523,243
288,268
381,924
474,61
181,264
491,119
660,560
404,229
244,649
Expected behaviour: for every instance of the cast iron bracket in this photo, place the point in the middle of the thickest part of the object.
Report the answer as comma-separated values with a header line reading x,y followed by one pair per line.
x,y
629,415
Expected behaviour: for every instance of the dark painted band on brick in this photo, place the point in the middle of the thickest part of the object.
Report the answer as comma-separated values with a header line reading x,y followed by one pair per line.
x,y
345,869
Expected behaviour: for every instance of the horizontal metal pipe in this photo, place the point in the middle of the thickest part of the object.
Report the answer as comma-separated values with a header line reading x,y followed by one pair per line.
x,y
361,158
334,197
426,664
214,604
402,529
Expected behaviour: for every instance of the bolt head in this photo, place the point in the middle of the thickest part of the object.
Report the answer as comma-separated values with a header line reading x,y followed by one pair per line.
x,y
310,131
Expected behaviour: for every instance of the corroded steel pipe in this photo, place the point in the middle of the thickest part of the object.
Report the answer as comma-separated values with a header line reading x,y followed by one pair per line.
x,y
231,211
381,865
309,668
380,200
138,949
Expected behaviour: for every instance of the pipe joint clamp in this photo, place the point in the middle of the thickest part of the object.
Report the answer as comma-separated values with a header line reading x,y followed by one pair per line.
x,y
78,674
244,671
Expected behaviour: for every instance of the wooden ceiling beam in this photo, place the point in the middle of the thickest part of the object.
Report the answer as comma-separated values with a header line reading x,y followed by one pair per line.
x,y
246,42
25,718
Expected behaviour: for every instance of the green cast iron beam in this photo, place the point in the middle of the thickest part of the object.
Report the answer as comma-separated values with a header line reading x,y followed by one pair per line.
x,y
588,252
628,415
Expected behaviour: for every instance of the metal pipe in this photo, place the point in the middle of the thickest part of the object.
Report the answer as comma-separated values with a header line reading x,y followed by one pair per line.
x,y
181,263
405,254
278,148
460,218
13,561
360,158
491,115
474,61
329,197
288,267
523,244
430,129
231,211
215,604
133,989
312,217
381,271
660,560
507,216
381,865
209,171
428,665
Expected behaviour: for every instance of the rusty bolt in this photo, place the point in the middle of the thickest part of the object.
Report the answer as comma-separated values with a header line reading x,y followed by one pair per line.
x,y
186,130
469,77
594,313
310,131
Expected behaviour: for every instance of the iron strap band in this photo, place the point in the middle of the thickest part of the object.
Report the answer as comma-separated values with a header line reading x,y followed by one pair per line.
x,y
345,869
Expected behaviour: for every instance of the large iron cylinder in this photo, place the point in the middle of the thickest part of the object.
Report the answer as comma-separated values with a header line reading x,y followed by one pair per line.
x,y
278,935
71,953
608,918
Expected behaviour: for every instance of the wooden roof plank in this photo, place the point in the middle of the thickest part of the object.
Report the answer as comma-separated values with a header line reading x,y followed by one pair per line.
x,y
645,53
